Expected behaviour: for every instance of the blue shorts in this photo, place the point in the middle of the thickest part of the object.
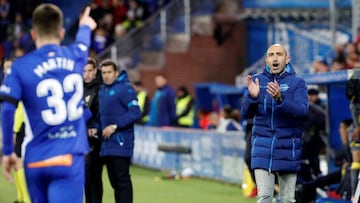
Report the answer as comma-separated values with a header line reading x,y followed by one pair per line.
x,y
57,179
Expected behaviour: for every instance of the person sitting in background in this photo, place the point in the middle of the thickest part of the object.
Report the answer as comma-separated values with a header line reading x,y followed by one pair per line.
x,y
337,65
135,16
213,120
341,176
319,66
227,121
184,107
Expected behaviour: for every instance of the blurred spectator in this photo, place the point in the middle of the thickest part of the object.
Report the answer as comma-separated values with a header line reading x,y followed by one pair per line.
x,y
351,55
163,108
213,121
4,18
101,39
136,10
135,16
313,126
119,11
18,29
313,95
98,9
203,117
351,60
107,23
144,102
119,31
340,176
131,22
350,48
227,122
337,65
320,66
352,92
184,107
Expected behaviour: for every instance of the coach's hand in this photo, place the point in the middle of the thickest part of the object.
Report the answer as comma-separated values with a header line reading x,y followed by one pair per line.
x,y
86,19
108,131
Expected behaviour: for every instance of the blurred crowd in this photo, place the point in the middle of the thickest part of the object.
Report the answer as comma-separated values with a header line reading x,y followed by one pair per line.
x,y
343,57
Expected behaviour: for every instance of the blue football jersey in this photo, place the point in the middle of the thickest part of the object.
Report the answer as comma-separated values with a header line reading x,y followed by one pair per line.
x,y
49,83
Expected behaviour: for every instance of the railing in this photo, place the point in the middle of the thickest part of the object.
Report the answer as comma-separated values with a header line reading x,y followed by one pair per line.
x,y
355,18
147,44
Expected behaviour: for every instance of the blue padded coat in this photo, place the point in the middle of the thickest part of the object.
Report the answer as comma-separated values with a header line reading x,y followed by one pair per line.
x,y
277,130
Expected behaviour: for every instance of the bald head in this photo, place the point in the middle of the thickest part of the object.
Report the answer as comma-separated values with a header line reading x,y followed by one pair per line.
x,y
277,58
279,46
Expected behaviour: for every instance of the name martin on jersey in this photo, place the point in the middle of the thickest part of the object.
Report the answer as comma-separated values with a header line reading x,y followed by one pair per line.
x,y
45,66
54,63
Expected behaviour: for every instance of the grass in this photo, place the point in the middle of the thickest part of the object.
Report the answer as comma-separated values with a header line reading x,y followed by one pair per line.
x,y
149,187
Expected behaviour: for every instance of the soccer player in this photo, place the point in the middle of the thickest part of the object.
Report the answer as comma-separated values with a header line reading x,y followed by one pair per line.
x,y
49,83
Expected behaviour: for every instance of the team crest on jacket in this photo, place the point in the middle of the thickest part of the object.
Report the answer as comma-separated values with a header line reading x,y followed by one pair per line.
x,y
284,87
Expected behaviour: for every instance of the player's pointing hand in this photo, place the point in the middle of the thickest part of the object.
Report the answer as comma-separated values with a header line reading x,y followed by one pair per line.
x,y
86,19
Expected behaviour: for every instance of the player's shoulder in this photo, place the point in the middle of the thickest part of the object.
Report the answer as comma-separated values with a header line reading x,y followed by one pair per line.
x,y
26,59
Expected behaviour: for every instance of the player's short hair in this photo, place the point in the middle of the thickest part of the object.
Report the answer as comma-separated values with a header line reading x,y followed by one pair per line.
x,y
109,62
47,20
91,61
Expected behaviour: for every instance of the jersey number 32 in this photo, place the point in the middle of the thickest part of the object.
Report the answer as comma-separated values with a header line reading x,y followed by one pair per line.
x,y
60,110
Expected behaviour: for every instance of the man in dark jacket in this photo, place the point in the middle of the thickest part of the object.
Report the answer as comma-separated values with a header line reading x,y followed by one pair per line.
x,y
277,98
119,110
163,107
93,162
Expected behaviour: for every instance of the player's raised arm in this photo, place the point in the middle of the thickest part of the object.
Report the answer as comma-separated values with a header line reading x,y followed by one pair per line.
x,y
86,19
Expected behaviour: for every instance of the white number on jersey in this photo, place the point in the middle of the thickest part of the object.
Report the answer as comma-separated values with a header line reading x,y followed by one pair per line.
x,y
59,110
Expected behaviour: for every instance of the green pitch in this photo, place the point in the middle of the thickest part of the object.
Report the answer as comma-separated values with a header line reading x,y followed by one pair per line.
x,y
149,187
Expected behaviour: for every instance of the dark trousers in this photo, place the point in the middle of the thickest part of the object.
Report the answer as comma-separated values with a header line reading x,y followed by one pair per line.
x,y
93,174
118,169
